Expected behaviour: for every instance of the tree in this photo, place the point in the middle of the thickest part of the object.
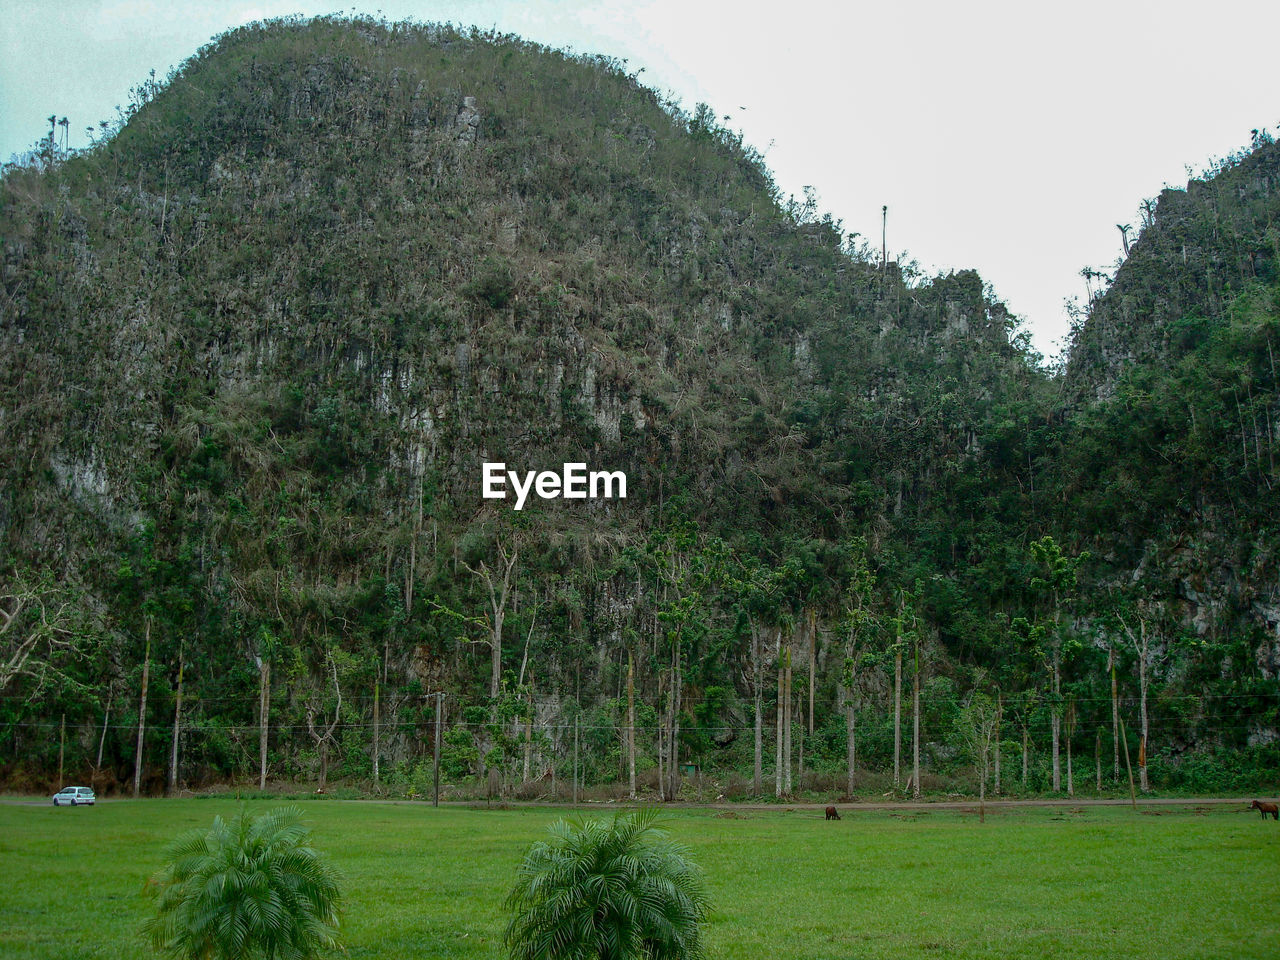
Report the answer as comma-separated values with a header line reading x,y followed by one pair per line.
x,y
323,735
606,890
1141,643
906,634
756,590
1056,577
497,582
37,630
977,727
860,621
251,887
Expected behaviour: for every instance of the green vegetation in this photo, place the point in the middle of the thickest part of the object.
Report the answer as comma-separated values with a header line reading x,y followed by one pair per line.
x,y
607,890
423,882
248,887
259,340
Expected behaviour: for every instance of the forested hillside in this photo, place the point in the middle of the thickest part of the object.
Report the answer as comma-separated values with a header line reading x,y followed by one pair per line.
x,y
260,339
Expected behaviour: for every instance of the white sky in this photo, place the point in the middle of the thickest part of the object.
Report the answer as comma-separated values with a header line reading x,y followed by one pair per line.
x,y
1007,136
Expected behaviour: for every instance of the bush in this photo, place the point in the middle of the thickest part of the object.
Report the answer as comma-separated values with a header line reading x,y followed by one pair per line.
x,y
251,887
612,890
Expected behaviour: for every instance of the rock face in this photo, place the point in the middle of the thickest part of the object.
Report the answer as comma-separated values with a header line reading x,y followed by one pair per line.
x,y
467,121
261,342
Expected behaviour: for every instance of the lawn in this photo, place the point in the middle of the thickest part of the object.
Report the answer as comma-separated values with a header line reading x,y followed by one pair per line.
x,y
422,882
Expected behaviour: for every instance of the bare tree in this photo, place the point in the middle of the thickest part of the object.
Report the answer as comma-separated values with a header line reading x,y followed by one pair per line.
x,y
36,630
978,725
1141,642
497,581
325,738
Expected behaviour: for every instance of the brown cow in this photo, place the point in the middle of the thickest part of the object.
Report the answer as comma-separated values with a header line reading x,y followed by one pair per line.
x,y
832,813
1266,808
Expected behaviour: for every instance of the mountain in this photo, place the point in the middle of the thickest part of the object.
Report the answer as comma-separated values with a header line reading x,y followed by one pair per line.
x,y
264,337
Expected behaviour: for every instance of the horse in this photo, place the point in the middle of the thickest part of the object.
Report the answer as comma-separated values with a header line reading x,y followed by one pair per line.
x,y
1266,808
833,814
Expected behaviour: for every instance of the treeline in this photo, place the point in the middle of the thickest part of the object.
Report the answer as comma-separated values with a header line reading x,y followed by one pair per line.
x,y
766,676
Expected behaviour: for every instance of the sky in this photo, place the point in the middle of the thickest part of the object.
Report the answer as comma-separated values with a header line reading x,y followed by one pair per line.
x,y
1009,137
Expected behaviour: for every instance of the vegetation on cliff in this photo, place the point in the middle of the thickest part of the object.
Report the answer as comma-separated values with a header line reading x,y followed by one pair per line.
x,y
260,340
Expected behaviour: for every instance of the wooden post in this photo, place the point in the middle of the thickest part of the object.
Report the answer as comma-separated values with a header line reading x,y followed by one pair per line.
x,y
142,716
435,756
264,718
576,722
377,731
781,721
897,717
999,718
1133,797
177,725
1098,757
62,746
1071,728
1115,718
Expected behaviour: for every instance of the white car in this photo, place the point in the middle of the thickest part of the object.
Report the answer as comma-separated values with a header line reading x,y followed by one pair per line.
x,y
73,796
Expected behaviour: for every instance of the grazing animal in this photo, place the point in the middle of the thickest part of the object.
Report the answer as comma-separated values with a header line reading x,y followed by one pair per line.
x,y
833,814
1266,808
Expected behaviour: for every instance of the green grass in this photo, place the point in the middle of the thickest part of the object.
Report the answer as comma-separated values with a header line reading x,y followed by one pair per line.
x,y
430,883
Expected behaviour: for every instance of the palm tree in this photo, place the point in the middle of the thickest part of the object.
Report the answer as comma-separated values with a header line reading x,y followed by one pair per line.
x,y
250,888
601,890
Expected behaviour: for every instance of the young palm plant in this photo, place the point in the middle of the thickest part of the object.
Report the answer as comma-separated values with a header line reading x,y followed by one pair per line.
x,y
601,890
249,888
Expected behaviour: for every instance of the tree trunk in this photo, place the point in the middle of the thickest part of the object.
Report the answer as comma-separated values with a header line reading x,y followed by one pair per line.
x,y
324,764
264,719
851,740
631,728
1055,720
757,768
377,732
526,767
1115,718
813,661
781,718
102,740
62,747
1143,784
142,716
786,730
177,726
1098,757
982,798
1025,744
897,719
1071,786
915,734
673,745
999,719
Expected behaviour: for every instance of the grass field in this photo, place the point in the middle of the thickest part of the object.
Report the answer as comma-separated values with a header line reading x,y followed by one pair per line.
x,y
421,882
